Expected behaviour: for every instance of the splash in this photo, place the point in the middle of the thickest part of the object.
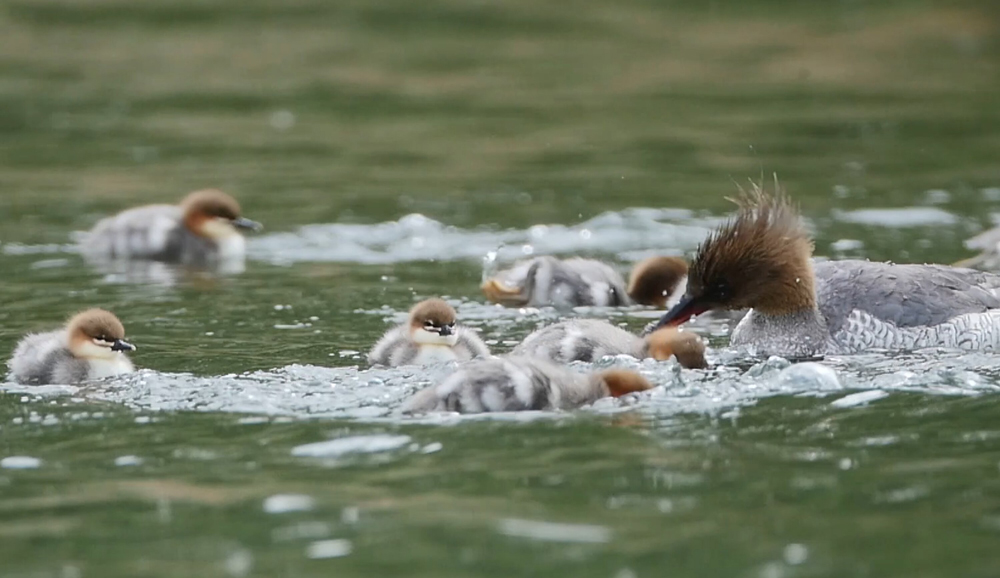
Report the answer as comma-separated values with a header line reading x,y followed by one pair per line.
x,y
419,238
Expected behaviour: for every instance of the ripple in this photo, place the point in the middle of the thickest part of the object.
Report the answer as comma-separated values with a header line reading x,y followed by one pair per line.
x,y
898,217
414,237
376,394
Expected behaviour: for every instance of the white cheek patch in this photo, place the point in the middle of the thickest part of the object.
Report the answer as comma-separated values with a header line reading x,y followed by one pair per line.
x,y
219,229
424,337
91,349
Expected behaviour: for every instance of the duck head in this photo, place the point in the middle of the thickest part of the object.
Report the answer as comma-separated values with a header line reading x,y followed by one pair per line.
x,y
213,214
620,382
759,259
668,342
432,322
96,334
655,279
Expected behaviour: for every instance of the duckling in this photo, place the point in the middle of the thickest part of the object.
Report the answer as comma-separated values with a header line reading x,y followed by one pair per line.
x,y
574,282
761,260
91,346
519,384
591,339
430,336
203,229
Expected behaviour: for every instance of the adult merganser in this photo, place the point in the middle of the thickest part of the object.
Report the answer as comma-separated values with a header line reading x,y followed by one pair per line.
x,y
761,260
202,230
91,346
430,336
520,384
574,282
591,339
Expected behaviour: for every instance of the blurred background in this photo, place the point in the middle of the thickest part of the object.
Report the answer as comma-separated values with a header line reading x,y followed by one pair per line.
x,y
335,123
313,111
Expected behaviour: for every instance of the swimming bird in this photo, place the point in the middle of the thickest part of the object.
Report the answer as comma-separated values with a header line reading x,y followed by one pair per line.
x,y
519,384
761,259
591,339
574,282
430,336
204,229
91,346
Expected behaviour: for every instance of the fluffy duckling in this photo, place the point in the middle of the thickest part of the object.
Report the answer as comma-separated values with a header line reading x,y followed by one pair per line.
x,y
591,339
761,260
520,384
203,229
574,282
91,346
430,336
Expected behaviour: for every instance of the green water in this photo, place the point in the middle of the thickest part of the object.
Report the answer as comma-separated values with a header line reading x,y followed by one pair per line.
x,y
502,114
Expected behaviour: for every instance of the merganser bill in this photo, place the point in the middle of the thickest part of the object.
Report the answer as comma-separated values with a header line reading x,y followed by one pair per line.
x,y
761,259
204,229
521,384
585,282
591,339
91,346
430,336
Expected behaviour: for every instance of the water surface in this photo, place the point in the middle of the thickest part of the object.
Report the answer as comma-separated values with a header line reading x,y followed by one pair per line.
x,y
396,152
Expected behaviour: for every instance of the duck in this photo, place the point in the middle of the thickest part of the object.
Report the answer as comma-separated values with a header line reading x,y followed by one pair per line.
x,y
204,229
91,346
429,336
591,339
574,282
761,260
515,383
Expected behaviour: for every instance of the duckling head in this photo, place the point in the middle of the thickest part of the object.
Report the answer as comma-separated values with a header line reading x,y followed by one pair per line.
x,y
655,279
213,214
759,259
687,347
622,381
432,322
96,334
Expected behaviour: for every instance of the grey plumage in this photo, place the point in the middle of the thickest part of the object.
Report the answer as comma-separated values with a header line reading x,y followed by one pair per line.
x,y
44,358
396,347
509,384
863,305
154,232
580,340
566,283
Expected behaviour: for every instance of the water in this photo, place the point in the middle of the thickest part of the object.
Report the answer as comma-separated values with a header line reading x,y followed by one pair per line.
x,y
396,152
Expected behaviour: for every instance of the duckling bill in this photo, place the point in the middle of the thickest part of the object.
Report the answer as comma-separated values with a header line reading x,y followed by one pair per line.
x,y
205,228
430,335
762,260
91,346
